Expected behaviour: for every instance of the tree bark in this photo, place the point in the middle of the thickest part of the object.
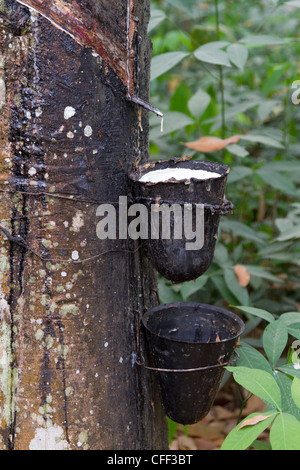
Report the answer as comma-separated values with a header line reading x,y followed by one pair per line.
x,y
71,304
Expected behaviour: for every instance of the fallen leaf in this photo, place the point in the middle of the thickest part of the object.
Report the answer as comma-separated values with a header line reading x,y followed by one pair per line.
x,y
211,144
252,421
242,274
205,444
186,443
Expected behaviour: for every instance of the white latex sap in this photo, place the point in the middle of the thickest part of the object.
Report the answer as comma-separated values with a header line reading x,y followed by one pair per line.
x,y
179,174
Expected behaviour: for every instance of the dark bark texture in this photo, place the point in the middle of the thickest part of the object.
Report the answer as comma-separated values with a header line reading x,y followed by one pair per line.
x,y
71,304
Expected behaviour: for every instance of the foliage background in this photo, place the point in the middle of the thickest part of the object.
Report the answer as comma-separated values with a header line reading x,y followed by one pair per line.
x,y
263,233
227,68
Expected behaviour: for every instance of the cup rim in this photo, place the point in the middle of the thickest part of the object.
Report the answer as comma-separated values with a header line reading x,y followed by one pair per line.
x,y
194,305
175,163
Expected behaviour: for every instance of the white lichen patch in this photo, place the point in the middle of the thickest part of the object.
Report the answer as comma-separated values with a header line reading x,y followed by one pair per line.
x,y
49,438
63,350
69,308
69,112
4,268
77,221
39,334
75,255
88,131
49,341
83,437
32,171
69,391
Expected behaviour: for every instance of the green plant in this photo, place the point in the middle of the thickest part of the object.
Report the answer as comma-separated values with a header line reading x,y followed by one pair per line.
x,y
275,381
223,69
217,71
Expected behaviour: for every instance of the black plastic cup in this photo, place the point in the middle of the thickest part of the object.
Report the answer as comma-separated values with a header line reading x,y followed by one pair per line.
x,y
170,256
189,345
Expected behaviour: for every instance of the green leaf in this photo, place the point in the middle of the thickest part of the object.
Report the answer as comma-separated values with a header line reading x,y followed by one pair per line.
x,y
253,359
189,288
261,445
290,369
198,103
295,390
223,289
291,234
288,404
260,383
258,312
285,432
240,293
157,16
294,330
166,294
238,173
172,428
232,112
212,53
239,229
263,273
188,6
180,98
278,181
221,257
266,108
237,150
274,340
293,3
173,121
264,40
273,78
238,55
262,139
286,166
164,62
241,439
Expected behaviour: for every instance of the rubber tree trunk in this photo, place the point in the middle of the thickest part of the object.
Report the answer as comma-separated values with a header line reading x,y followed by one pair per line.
x,y
71,304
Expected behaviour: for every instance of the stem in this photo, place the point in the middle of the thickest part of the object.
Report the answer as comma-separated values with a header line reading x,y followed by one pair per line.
x,y
217,18
243,402
264,21
222,102
221,73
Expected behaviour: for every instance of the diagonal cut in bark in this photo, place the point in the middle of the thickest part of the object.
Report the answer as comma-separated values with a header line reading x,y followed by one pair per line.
x,y
91,24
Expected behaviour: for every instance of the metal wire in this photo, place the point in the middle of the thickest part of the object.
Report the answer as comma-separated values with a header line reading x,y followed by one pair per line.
x,y
221,209
156,369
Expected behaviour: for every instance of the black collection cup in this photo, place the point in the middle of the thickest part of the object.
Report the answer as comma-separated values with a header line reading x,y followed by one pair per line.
x,y
170,256
189,344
